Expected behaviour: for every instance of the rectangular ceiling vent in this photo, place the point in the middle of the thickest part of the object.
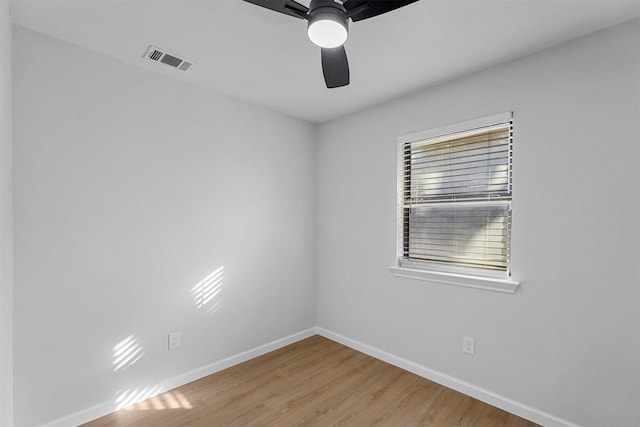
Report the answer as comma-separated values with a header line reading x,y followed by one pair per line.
x,y
160,55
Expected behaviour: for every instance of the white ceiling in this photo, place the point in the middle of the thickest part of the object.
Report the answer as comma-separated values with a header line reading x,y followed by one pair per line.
x,y
265,58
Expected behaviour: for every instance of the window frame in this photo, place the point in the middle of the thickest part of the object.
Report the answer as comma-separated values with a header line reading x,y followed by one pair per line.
x,y
433,271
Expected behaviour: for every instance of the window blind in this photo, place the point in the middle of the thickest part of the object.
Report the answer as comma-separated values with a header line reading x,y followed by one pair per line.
x,y
456,198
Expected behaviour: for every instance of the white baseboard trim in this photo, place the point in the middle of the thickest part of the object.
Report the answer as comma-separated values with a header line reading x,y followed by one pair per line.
x,y
509,405
479,393
106,408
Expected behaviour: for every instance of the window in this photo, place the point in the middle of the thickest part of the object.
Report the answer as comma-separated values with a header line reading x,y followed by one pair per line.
x,y
454,204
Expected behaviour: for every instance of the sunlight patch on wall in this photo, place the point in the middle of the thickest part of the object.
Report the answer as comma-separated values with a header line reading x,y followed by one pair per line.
x,y
148,399
205,292
126,353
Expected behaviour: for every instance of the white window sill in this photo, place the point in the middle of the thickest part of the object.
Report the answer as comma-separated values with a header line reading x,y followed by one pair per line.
x,y
486,283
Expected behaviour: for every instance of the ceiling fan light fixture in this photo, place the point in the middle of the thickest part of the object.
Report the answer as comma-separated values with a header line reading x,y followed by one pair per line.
x,y
328,27
327,30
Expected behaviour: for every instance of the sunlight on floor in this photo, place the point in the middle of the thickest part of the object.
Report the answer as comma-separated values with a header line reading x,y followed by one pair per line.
x,y
134,396
150,399
168,400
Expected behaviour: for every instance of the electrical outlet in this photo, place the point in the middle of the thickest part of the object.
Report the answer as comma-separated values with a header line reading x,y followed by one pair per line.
x,y
174,340
469,345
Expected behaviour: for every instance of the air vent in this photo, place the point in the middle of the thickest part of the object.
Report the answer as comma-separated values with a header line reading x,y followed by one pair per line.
x,y
160,55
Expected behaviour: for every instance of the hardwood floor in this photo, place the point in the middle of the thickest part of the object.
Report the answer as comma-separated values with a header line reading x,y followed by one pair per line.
x,y
314,382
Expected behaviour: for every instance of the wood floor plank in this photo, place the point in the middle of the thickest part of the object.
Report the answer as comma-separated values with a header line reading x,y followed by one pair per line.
x,y
315,382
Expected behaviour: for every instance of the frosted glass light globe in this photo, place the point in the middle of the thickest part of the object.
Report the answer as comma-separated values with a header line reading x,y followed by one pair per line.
x,y
327,33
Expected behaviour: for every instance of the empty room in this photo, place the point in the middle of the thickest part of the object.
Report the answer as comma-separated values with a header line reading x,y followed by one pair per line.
x,y
319,213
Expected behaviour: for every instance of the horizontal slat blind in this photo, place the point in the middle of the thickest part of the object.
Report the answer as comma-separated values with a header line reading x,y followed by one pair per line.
x,y
456,198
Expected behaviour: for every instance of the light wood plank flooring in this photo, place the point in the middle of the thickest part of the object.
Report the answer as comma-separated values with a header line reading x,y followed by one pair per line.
x,y
314,382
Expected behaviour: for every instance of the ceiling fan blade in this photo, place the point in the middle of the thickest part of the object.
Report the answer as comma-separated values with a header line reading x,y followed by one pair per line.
x,y
364,9
288,7
335,67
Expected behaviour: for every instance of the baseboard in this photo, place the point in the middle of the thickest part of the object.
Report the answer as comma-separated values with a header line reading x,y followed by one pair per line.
x,y
479,393
509,405
103,409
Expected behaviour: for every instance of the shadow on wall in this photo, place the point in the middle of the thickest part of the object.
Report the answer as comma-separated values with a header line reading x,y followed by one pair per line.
x,y
129,351
126,353
205,292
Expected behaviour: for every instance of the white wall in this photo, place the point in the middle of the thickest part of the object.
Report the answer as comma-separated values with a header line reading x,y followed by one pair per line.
x,y
6,227
568,342
129,189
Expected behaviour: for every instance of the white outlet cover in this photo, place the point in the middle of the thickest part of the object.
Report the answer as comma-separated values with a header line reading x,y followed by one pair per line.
x,y
468,345
174,340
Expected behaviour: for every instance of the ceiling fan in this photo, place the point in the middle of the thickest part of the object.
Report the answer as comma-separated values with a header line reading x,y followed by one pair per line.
x,y
328,27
